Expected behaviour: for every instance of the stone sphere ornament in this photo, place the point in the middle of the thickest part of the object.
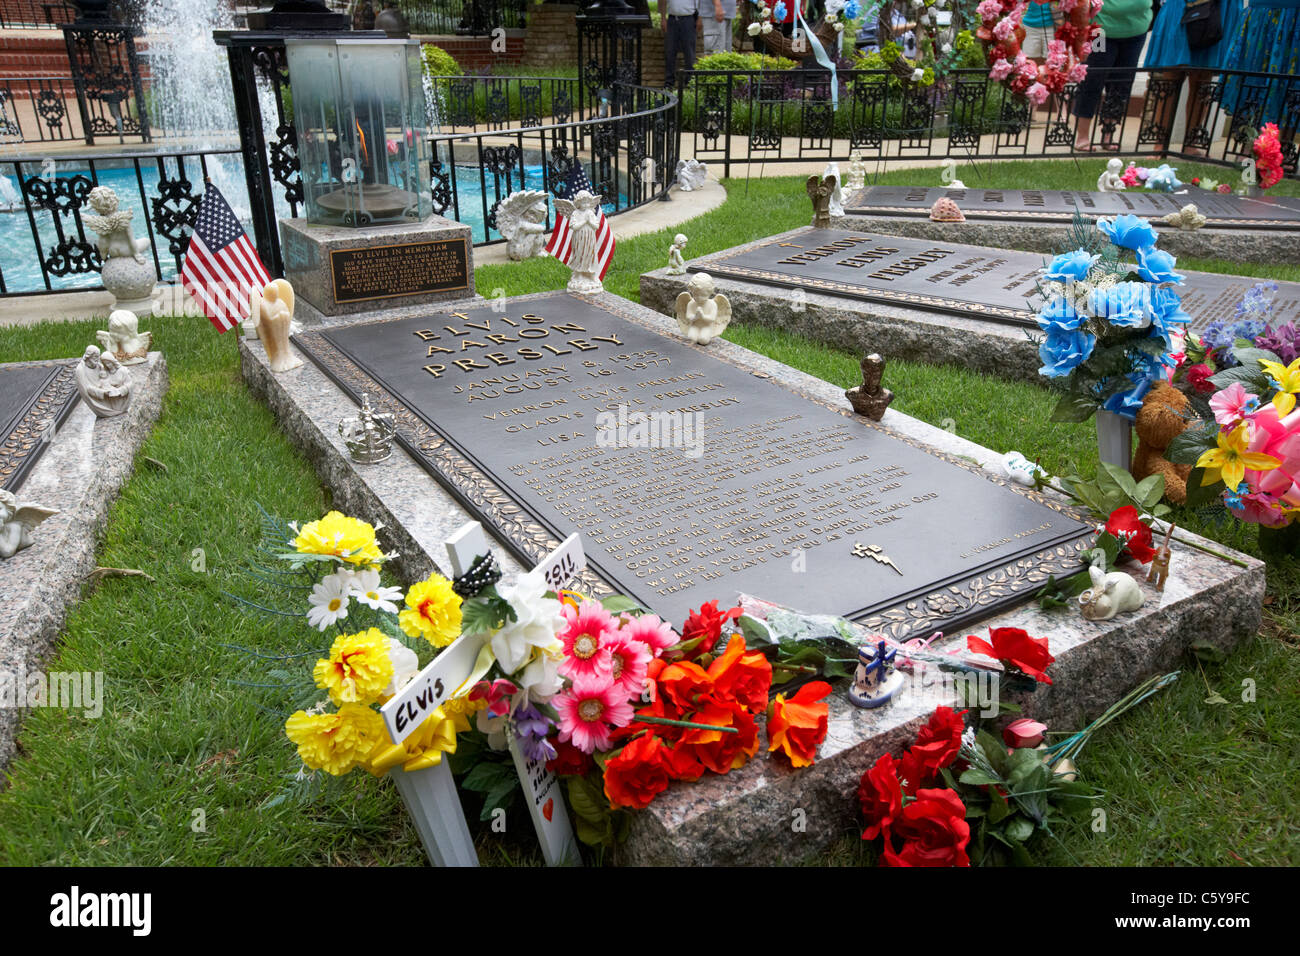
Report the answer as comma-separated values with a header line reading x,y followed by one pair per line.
x,y
946,210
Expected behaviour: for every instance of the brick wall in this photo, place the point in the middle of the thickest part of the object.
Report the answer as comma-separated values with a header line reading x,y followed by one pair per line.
x,y
553,38
475,54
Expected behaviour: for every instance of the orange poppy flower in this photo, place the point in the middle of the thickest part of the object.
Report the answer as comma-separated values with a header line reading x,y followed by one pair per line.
x,y
743,675
798,725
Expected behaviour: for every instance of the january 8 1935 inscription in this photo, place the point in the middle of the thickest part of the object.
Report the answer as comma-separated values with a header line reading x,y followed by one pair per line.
x,y
689,477
387,272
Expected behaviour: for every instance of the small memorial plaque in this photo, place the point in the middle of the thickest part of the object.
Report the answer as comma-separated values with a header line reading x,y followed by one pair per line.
x,y
388,272
929,274
690,477
1059,205
35,398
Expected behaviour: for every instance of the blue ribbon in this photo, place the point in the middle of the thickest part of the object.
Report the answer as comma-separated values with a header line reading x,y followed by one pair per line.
x,y
819,52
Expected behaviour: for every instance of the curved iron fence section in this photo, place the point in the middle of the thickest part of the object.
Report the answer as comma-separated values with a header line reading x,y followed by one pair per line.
x,y
739,116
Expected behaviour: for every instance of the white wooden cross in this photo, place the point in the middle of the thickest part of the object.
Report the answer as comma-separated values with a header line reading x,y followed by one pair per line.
x,y
541,788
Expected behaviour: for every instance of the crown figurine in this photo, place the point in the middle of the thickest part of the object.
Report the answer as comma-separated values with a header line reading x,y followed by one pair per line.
x,y
369,436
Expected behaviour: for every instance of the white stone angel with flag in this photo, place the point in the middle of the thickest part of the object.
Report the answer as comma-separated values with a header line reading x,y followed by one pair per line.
x,y
582,239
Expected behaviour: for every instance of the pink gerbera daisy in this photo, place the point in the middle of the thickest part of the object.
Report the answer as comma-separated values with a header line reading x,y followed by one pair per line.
x,y
628,659
589,709
587,628
655,634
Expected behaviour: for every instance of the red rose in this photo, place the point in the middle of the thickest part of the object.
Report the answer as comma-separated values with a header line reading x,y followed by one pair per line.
x,y
1198,376
742,675
913,774
934,832
1125,525
637,774
568,761
1024,733
938,741
880,796
682,763
1016,650
706,624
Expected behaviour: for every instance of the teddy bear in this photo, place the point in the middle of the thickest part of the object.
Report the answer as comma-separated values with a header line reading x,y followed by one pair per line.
x,y
1164,414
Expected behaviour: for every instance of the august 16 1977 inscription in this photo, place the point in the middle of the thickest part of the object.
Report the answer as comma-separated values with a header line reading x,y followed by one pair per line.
x,y
390,271
935,275
537,419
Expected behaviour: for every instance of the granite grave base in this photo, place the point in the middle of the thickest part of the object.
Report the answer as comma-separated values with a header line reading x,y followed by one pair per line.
x,y
746,817
80,473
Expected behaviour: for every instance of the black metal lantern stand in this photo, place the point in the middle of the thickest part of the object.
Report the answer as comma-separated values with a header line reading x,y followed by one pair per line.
x,y
106,75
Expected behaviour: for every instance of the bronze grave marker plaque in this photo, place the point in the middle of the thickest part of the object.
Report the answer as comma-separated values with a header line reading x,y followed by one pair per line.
x,y
34,397
391,271
538,419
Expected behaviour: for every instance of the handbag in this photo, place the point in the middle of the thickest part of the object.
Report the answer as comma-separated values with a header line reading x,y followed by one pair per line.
x,y
1203,21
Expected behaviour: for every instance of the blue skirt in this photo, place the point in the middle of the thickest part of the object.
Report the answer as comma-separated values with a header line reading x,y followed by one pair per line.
x,y
1268,41
1168,46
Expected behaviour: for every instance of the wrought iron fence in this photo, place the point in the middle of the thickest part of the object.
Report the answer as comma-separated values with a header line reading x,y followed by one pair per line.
x,y
46,109
35,14
446,17
787,116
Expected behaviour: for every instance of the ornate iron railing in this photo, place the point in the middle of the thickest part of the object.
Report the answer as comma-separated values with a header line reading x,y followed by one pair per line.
x,y
465,17
787,116
35,14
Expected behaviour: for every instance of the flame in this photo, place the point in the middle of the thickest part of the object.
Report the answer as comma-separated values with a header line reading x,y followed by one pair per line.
x,y
365,153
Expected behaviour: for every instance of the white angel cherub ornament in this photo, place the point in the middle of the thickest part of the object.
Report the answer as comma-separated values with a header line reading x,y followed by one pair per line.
x,y
676,263
270,316
701,315
521,219
583,213
17,521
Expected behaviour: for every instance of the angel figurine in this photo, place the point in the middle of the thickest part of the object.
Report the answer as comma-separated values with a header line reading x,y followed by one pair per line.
x,y
1110,181
273,309
676,264
521,219
834,205
819,191
17,521
113,226
701,315
104,385
124,339
583,213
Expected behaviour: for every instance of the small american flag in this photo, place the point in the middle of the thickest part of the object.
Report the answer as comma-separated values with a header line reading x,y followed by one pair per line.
x,y
221,265
560,244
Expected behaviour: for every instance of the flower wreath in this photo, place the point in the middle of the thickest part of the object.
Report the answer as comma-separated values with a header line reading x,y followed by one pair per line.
x,y
933,59
1002,33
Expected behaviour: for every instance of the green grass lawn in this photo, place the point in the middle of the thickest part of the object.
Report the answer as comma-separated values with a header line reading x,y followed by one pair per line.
x,y
1184,781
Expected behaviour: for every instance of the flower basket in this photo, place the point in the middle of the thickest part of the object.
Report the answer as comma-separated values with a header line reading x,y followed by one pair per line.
x,y
1114,439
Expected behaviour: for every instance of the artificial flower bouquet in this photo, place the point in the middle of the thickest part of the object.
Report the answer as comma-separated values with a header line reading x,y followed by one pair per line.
x,y
1268,156
1212,351
1111,324
1001,31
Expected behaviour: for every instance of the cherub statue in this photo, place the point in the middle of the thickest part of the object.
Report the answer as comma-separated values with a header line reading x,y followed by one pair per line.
x,y
676,264
272,310
104,385
124,339
113,226
1110,181
857,171
521,219
691,174
1186,219
834,205
701,315
583,213
819,191
869,398
17,521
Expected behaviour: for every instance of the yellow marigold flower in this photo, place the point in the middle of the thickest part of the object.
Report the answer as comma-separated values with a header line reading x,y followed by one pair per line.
x,y
358,668
458,710
337,742
344,537
433,611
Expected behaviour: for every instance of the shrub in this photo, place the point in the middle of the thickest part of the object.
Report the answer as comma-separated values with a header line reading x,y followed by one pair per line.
x,y
438,62
742,61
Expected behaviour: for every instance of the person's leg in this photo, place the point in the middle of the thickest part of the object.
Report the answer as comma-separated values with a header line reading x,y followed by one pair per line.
x,y
1088,93
1163,113
1119,87
670,53
1196,80
691,28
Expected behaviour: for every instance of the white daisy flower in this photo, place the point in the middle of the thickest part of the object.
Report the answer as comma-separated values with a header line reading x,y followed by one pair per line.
x,y
366,589
329,602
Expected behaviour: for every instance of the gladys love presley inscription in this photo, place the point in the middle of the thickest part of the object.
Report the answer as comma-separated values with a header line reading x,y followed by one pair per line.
x,y
689,477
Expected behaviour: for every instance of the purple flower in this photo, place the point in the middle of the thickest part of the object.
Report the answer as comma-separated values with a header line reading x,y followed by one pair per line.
x,y
1283,341
531,728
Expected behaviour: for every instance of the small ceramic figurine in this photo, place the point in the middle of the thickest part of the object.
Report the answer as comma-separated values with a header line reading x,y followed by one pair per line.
x,y
869,398
124,339
691,174
125,270
676,264
17,521
1110,181
583,213
946,210
701,315
875,681
1110,594
857,171
1186,219
369,436
834,205
273,307
521,219
819,191
104,385
1021,470
1159,572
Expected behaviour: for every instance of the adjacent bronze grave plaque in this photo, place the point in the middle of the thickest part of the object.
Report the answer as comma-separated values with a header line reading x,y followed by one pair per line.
x,y
1059,205
34,398
538,420
387,272
984,283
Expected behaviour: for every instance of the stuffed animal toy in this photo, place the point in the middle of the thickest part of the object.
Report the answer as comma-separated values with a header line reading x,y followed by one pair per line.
x,y
1164,414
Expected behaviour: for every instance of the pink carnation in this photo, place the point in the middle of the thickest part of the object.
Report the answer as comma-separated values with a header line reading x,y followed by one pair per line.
x,y
1037,93
989,11
1077,73
1004,30
1001,70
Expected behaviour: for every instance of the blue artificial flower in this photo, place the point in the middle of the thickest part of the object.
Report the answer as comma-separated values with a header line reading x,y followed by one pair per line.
x,y
1059,314
1233,498
1128,231
1063,351
1162,179
851,10
1155,265
1128,403
1070,265
1126,305
778,13
1167,315
1252,404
